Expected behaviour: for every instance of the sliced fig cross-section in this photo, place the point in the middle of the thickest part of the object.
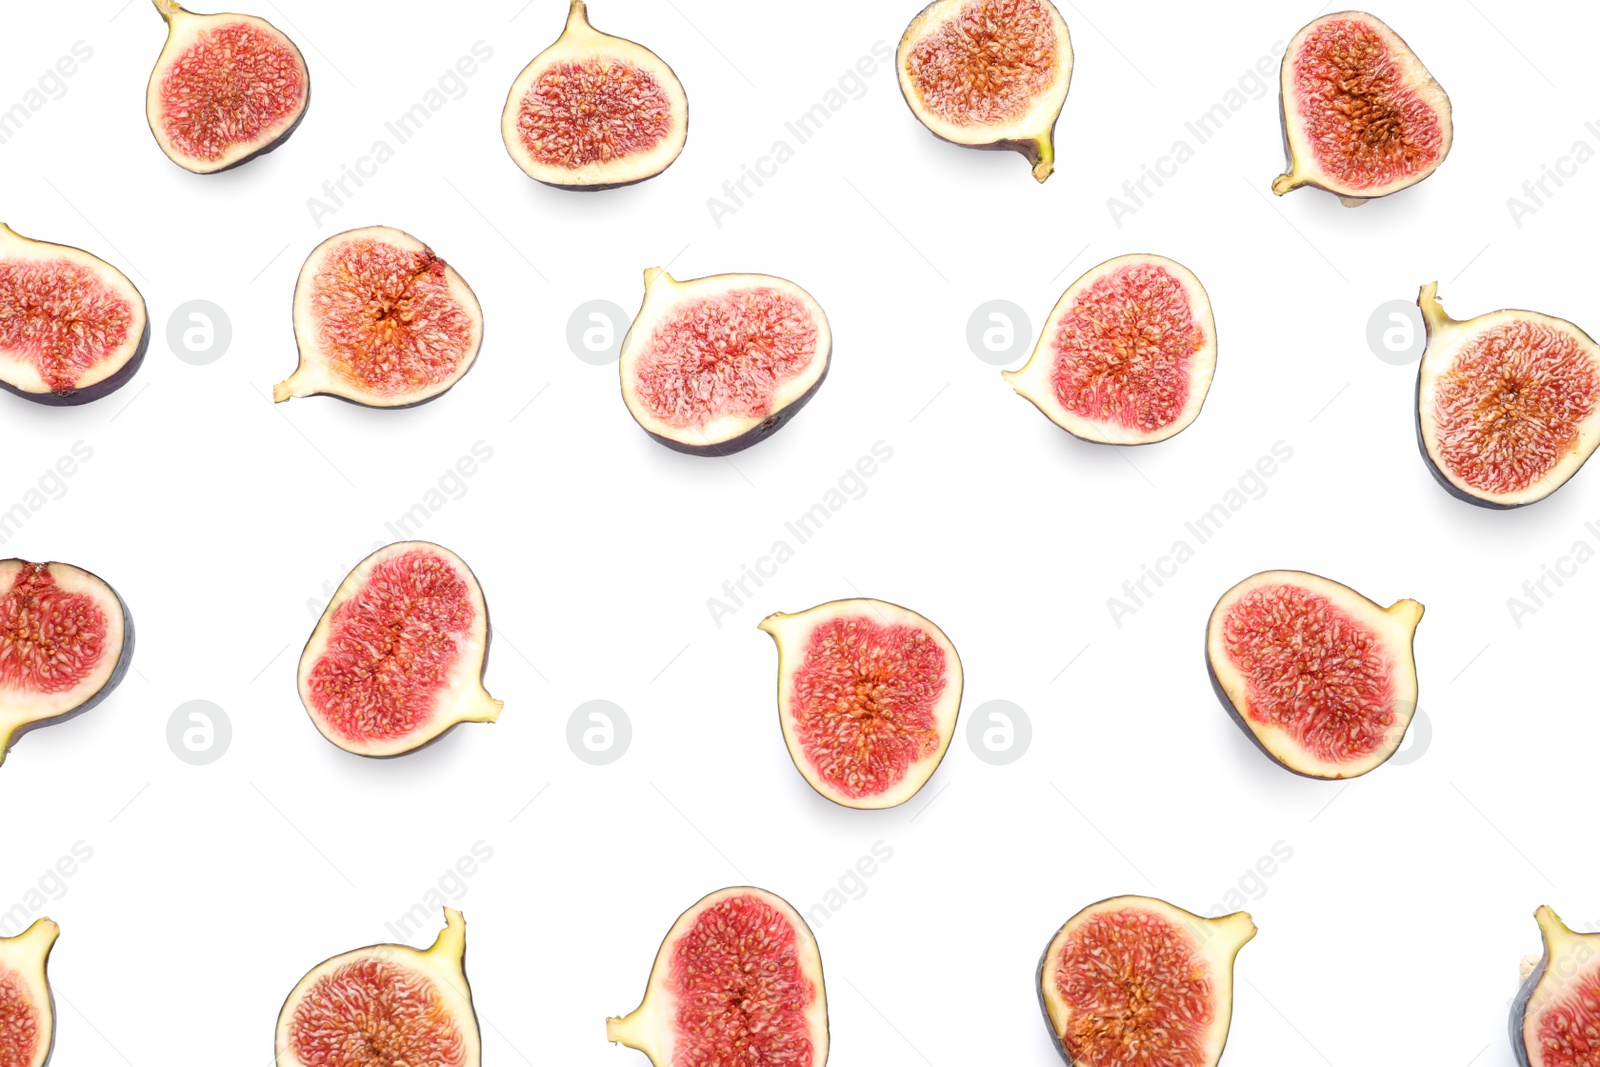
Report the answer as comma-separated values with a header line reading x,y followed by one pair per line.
x,y
1508,403
1555,1017
1127,355
738,980
27,1009
714,365
385,1006
1137,982
397,659
72,327
868,696
594,111
381,321
1362,117
1319,677
989,74
226,88
66,640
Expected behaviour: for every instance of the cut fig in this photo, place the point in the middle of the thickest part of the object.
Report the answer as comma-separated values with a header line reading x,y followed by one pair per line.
x,y
226,88
381,321
72,327
738,980
1137,982
1319,677
1362,117
385,1006
66,640
712,366
1126,356
868,696
594,111
989,74
1508,403
27,1010
398,657
1555,1017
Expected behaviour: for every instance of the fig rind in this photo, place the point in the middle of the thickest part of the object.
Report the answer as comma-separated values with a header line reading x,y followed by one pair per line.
x,y
1032,134
1223,938
1303,170
1445,338
22,379
663,294
27,956
1033,381
468,700
650,1027
18,719
183,29
792,632
314,376
580,40
443,963
1396,624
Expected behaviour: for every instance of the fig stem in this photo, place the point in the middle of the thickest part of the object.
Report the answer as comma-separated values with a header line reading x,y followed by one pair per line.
x,y
1284,182
579,15
1044,163
1433,316
167,8
452,940
40,936
1408,610
621,1030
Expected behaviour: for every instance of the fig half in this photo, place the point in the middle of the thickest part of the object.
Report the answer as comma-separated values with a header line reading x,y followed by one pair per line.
x,y
66,640
989,74
1319,677
1362,117
385,1006
1555,1017
226,88
594,111
27,1009
72,327
1508,403
398,657
1137,982
712,366
868,695
738,980
1127,355
381,321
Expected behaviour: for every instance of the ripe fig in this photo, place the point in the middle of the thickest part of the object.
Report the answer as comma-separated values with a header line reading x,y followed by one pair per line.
x,y
868,696
385,1006
1126,356
1555,1018
27,1010
1319,677
1362,117
66,640
381,321
711,366
989,74
594,111
226,88
398,657
738,980
1136,982
1508,403
72,327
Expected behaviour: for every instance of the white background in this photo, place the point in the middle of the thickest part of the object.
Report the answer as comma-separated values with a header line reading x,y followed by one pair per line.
x,y
1391,936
